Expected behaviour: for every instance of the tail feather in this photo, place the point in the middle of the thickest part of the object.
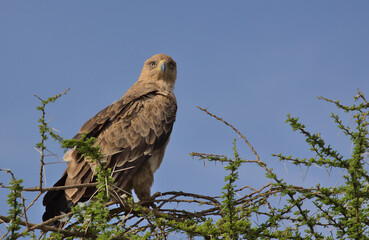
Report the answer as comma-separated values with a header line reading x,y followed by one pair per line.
x,y
56,203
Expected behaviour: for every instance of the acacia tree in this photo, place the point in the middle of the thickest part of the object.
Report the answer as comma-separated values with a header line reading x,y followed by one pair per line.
x,y
339,211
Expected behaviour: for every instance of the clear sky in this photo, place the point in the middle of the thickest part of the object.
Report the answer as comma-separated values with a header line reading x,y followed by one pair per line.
x,y
250,62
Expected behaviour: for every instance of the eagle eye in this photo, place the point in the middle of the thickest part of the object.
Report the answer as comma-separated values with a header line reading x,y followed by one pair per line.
x,y
152,64
171,65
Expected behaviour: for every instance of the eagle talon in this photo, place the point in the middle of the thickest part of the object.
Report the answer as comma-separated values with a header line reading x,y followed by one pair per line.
x,y
149,203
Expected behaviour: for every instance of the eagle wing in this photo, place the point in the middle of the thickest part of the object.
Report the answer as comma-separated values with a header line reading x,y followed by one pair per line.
x,y
130,132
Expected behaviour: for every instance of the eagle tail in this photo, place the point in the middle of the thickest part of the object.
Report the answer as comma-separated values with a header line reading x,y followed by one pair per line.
x,y
56,203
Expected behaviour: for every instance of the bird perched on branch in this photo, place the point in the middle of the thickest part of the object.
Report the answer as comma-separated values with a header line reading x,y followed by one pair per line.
x,y
132,134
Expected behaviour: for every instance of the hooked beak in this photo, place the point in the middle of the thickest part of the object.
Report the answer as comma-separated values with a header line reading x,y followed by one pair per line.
x,y
163,66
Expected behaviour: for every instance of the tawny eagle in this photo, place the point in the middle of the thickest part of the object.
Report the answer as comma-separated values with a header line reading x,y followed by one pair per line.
x,y
132,134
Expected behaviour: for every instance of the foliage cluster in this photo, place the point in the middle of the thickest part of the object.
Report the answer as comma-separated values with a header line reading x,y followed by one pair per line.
x,y
315,212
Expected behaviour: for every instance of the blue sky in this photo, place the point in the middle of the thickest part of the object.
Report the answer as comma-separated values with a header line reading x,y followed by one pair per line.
x,y
250,62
